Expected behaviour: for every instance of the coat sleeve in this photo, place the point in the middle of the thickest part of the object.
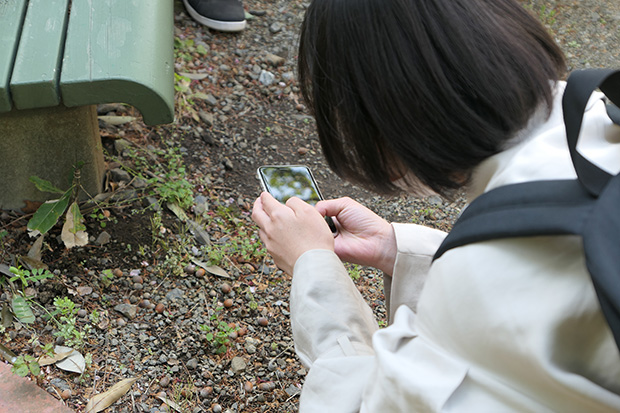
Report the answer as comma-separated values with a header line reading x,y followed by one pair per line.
x,y
333,327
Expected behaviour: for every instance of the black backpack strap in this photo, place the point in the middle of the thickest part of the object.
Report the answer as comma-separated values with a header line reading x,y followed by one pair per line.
x,y
533,208
579,88
614,113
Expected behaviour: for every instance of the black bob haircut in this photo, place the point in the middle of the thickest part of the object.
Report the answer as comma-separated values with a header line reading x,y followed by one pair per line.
x,y
431,87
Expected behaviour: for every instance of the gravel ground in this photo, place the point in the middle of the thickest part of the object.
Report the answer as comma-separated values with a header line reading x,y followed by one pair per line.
x,y
238,108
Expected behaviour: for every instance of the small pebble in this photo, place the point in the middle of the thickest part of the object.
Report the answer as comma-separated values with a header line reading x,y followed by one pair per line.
x,y
165,381
205,392
267,386
248,386
217,408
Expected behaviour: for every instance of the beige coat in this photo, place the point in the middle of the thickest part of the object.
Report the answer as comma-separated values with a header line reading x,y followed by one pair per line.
x,y
499,326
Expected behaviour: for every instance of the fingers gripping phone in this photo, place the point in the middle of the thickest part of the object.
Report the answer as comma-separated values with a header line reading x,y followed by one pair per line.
x,y
286,181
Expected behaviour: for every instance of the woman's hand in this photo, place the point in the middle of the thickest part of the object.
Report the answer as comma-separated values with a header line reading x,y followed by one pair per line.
x,y
290,230
364,237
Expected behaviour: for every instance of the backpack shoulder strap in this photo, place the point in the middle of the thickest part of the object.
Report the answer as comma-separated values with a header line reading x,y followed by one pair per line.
x,y
533,208
579,88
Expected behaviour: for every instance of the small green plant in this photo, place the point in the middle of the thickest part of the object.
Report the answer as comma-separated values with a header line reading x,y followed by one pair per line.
x,y
95,316
354,271
50,212
252,301
66,324
26,277
24,365
219,334
106,277
216,255
240,245
101,216
20,303
184,48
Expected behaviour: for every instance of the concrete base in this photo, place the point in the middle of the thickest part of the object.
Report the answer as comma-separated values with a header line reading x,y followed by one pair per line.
x,y
47,143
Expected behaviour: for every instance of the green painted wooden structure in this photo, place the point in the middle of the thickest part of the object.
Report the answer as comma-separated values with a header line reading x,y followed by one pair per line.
x,y
59,58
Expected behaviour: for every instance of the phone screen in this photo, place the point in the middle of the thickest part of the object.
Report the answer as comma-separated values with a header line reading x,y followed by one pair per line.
x,y
284,182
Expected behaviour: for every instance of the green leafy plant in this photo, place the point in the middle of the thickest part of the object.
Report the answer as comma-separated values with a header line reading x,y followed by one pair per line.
x,y
50,212
167,179
26,364
26,277
19,303
240,245
102,217
253,304
106,277
66,323
354,271
218,334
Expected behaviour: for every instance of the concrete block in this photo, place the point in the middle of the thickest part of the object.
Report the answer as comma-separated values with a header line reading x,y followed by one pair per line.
x,y
47,143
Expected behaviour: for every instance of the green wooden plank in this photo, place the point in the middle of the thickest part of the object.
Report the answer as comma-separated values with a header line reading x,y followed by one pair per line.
x,y
37,65
11,17
121,51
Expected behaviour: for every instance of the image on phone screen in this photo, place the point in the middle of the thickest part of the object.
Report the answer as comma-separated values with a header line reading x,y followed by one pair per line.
x,y
284,182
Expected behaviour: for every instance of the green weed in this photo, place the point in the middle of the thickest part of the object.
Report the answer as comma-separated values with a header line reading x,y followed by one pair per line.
x,y
218,332
26,277
66,324
26,364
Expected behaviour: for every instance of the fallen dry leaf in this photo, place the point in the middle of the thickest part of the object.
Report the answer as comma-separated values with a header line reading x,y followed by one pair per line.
x,y
73,231
170,403
103,400
58,356
74,362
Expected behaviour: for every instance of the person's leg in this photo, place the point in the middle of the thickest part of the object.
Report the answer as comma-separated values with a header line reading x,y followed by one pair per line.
x,y
223,15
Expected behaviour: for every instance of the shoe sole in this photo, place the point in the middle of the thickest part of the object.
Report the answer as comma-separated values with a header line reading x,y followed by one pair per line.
x,y
223,26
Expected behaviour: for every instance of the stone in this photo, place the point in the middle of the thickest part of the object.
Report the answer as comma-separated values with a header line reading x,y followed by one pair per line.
x,y
275,28
273,59
266,77
207,118
103,238
174,294
120,145
237,365
128,310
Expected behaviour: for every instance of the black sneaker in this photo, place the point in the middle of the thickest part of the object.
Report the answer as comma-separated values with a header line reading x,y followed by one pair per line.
x,y
223,15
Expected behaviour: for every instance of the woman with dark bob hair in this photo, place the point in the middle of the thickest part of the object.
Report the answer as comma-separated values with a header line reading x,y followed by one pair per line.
x,y
440,96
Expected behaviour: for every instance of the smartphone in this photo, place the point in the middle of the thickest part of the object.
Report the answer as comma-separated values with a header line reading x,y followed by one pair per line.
x,y
286,181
